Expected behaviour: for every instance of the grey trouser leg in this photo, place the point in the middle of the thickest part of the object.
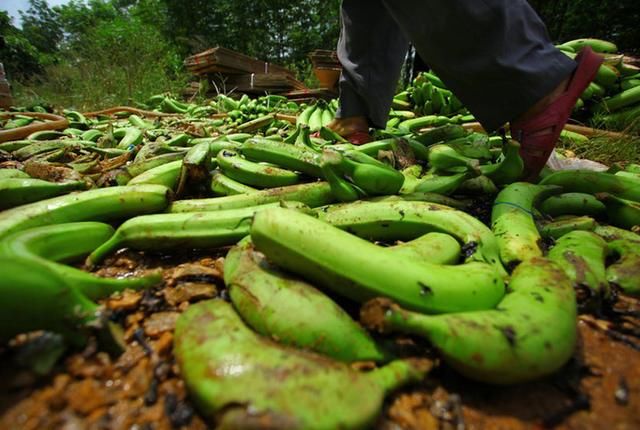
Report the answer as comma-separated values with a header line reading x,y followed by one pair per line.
x,y
495,55
371,50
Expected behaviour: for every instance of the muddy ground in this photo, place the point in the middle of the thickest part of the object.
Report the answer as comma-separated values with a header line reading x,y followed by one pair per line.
x,y
141,388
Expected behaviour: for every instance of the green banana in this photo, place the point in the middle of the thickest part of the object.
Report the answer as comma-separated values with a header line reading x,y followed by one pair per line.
x,y
139,167
435,248
327,256
48,245
415,124
586,181
442,184
598,45
254,174
313,195
572,204
12,173
611,233
444,158
341,189
166,174
620,212
480,185
92,205
196,167
292,311
180,230
581,254
474,145
130,137
34,297
394,144
509,169
41,147
557,229
284,155
442,133
531,333
19,191
46,135
513,224
406,220
219,357
625,272
411,178
303,118
426,197
222,185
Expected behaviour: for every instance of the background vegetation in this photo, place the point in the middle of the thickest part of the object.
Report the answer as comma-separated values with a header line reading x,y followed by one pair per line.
x,y
97,53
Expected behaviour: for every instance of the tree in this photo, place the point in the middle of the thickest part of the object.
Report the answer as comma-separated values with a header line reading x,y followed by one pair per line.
x,y
40,26
19,57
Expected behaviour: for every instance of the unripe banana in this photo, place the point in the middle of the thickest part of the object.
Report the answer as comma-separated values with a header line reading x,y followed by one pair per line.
x,y
531,333
557,229
328,257
426,197
444,158
19,191
92,205
407,220
586,181
572,204
222,185
481,185
342,190
284,155
166,174
443,133
611,233
254,174
621,212
625,272
219,357
509,169
581,254
435,248
513,224
365,172
48,245
292,311
12,173
442,184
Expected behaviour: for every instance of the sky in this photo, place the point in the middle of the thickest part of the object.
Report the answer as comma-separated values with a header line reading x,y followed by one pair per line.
x,y
13,6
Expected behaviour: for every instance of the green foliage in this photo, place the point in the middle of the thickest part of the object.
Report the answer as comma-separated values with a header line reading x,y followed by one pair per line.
x,y
19,57
40,26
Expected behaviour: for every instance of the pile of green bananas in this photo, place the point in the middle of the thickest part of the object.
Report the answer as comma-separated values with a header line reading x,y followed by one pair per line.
x,y
311,223
317,115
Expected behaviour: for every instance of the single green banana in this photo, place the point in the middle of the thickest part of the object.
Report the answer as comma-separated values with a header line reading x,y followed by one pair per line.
x,y
139,167
480,185
625,271
582,254
572,204
557,229
284,155
434,248
341,189
313,195
426,197
41,147
50,245
513,224
129,137
222,185
292,311
443,158
110,203
621,212
441,134
20,191
180,230
12,173
531,333
509,169
166,174
328,256
586,181
474,145
407,220
442,184
34,297
254,174
611,233
394,144
219,357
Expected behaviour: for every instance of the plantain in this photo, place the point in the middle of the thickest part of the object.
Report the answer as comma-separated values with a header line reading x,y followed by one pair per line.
x,y
50,246
625,271
442,184
254,174
328,257
442,133
196,167
620,212
581,254
166,174
284,155
6,173
341,189
407,220
313,195
507,170
292,311
480,185
95,205
611,233
443,158
586,181
557,229
219,357
435,248
179,230
531,333
426,197
572,204
513,224
222,185
20,191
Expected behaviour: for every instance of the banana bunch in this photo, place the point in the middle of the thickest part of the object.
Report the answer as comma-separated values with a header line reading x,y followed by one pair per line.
x,y
430,96
318,115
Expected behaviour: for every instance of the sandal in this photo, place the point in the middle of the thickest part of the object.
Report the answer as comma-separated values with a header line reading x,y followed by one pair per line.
x,y
538,135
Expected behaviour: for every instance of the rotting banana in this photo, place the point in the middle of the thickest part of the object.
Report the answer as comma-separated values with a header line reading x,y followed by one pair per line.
x,y
582,254
93,205
625,271
20,191
531,333
513,224
219,357
49,246
407,220
292,311
328,256
313,195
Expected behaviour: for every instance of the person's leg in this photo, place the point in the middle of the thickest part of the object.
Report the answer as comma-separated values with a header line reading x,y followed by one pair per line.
x,y
371,50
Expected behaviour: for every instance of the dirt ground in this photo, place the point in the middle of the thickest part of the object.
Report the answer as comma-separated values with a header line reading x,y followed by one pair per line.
x,y
141,388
